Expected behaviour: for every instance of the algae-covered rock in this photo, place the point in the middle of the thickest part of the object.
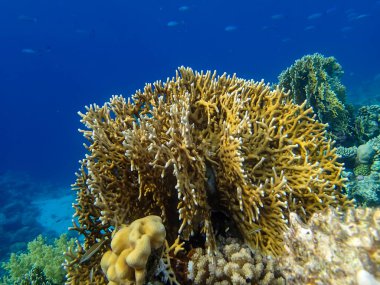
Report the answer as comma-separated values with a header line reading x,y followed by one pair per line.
x,y
365,154
316,78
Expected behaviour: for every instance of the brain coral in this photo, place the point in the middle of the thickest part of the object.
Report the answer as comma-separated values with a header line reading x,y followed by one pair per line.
x,y
196,144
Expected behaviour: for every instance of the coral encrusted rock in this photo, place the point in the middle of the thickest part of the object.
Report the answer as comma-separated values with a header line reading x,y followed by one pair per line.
x,y
333,248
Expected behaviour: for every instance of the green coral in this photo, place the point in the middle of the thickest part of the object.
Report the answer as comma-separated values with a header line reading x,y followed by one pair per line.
x,y
316,78
362,169
40,254
367,123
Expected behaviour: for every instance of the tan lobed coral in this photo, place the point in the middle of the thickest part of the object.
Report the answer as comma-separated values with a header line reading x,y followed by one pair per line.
x,y
197,144
333,248
131,247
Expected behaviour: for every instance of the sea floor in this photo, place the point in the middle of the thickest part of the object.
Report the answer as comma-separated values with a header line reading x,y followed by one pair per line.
x,y
54,214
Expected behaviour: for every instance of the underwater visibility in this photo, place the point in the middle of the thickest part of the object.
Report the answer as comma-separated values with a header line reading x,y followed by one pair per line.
x,y
190,142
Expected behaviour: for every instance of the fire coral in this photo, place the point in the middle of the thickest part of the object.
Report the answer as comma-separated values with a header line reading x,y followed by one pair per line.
x,y
200,143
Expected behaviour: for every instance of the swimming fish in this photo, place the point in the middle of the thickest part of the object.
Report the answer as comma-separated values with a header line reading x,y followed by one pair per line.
x,y
277,17
183,8
24,18
91,251
255,229
314,16
230,28
308,28
172,24
28,51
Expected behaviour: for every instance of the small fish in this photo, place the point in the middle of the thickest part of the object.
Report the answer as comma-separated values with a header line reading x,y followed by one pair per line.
x,y
92,275
308,28
346,29
91,251
230,28
172,24
314,16
28,51
331,10
277,17
81,31
183,8
362,16
255,230
24,18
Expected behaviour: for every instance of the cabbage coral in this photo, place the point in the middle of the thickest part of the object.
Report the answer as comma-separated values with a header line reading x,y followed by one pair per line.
x,y
316,78
196,144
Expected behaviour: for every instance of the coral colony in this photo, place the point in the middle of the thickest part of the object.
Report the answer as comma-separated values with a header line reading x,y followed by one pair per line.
x,y
192,148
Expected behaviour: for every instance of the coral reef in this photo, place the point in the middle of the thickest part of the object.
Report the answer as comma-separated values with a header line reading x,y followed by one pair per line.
x,y
367,123
332,248
364,186
194,146
235,264
131,247
41,255
362,170
365,189
316,78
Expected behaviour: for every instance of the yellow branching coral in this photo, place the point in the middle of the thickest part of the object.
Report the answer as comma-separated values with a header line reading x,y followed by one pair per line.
x,y
200,143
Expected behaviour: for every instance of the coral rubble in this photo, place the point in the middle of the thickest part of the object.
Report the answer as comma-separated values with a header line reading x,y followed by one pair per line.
x,y
195,145
333,248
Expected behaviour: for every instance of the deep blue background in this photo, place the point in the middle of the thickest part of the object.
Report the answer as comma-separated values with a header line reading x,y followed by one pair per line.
x,y
56,56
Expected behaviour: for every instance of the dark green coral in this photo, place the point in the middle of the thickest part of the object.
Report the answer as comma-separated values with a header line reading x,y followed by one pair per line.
x,y
316,78
367,123
35,276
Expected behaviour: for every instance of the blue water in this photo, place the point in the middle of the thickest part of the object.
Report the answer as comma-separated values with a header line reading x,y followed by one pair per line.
x,y
58,56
